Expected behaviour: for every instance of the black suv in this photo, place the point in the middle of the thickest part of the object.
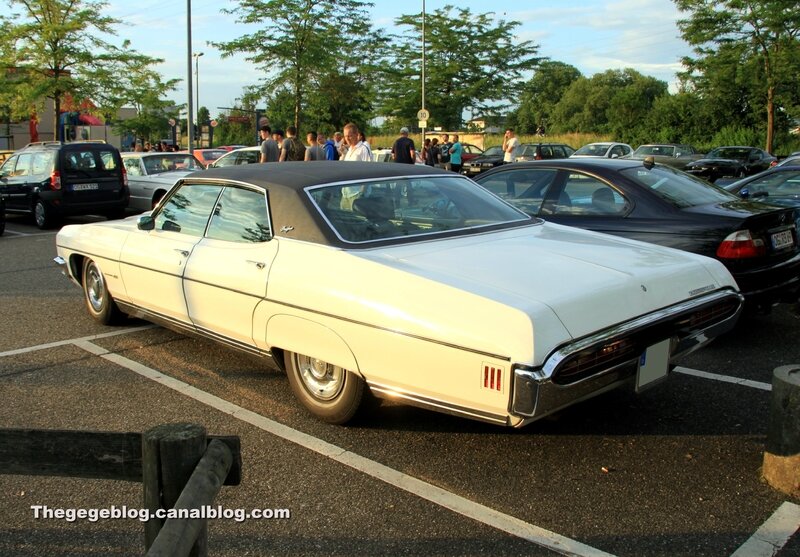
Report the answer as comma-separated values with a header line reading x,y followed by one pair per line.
x,y
53,179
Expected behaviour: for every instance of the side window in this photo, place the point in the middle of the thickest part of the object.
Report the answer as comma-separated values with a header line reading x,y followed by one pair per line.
x,y
8,167
524,188
188,209
589,196
240,216
24,165
132,167
43,163
248,157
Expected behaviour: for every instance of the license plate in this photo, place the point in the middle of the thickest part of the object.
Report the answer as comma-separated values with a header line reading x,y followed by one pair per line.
x,y
82,187
782,239
653,365
474,169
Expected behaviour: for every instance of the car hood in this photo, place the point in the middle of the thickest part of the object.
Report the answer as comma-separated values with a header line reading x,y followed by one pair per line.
x,y
168,177
583,277
482,158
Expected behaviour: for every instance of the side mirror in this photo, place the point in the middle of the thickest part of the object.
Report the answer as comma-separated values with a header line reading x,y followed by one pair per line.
x,y
146,222
744,193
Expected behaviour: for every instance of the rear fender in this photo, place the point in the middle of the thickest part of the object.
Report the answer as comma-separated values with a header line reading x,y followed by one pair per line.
x,y
302,336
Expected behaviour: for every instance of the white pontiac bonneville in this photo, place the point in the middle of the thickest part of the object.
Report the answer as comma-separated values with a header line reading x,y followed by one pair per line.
x,y
401,281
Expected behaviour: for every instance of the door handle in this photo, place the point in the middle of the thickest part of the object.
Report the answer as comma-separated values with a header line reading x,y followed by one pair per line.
x,y
259,265
183,252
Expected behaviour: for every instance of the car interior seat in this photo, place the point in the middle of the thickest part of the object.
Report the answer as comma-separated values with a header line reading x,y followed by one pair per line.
x,y
603,201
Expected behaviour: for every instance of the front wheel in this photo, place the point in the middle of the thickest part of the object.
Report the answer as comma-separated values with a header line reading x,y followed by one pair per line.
x,y
329,392
99,302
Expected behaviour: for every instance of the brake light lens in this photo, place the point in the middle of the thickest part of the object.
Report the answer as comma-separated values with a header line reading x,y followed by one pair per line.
x,y
124,176
55,180
741,245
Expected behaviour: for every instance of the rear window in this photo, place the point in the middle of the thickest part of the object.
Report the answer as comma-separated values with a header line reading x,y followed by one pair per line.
x,y
678,188
90,161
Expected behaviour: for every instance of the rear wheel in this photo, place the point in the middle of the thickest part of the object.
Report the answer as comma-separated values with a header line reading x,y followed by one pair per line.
x,y
44,215
99,302
329,392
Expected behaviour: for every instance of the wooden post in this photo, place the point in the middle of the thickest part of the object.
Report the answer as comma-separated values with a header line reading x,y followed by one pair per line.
x,y
782,456
177,536
170,453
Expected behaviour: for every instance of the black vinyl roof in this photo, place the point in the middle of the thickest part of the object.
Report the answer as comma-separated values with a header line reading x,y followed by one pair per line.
x,y
292,212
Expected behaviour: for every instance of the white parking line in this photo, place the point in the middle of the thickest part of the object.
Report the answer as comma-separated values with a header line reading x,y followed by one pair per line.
x,y
773,534
724,378
429,492
766,542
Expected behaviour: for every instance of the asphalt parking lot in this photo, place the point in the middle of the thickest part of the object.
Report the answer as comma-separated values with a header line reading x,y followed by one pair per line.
x,y
674,471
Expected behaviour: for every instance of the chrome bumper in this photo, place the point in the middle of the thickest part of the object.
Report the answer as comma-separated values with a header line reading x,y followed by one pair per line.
x,y
535,394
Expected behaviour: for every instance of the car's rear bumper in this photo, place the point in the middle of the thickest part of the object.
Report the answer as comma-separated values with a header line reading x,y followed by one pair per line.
x,y
776,284
689,325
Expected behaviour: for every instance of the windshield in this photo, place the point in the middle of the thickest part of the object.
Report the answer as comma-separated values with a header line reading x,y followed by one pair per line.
x,y
493,151
678,188
662,150
594,150
402,207
778,184
736,153
156,164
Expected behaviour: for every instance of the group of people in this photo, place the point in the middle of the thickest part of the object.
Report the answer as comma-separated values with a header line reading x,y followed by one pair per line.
x,y
445,154
350,145
159,146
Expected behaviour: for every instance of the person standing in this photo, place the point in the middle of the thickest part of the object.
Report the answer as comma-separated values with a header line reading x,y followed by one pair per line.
x,y
341,146
455,155
403,148
331,151
444,152
510,146
269,148
314,151
292,149
356,150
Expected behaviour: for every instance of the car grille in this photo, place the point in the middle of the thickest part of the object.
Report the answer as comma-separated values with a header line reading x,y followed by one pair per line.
x,y
614,351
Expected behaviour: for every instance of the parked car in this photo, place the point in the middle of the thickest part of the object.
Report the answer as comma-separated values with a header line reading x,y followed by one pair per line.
x,y
672,154
605,150
246,155
470,152
425,288
543,151
207,156
791,160
232,147
152,174
731,161
659,204
491,157
52,179
780,185
2,215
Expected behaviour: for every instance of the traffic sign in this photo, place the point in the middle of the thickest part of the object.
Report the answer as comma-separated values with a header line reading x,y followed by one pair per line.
x,y
172,122
423,114
213,123
423,124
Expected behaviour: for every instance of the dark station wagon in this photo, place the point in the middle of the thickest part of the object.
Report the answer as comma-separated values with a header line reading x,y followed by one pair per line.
x,y
52,179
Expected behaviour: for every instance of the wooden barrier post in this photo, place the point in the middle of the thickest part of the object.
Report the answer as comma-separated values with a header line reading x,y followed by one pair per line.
x,y
170,453
782,456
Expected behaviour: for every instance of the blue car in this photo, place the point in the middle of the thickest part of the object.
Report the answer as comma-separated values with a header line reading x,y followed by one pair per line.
x,y
779,185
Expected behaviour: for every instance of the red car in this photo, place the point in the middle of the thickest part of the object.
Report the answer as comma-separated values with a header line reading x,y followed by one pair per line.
x,y
207,156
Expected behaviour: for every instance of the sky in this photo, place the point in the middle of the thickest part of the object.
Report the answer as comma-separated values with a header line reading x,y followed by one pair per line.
x,y
592,35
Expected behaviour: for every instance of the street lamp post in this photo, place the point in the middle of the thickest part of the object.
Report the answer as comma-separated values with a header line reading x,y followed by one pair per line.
x,y
197,56
189,109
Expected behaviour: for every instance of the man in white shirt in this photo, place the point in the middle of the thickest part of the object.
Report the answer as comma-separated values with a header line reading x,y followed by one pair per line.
x,y
356,150
510,146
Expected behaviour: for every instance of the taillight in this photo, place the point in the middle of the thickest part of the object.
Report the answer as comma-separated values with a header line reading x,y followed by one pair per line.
x,y
538,156
55,180
741,245
124,177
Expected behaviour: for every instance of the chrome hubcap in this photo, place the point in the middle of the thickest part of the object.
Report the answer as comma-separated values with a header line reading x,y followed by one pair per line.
x,y
323,380
39,213
95,288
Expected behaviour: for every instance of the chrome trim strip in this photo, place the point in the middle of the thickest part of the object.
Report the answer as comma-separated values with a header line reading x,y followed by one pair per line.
x,y
414,399
628,327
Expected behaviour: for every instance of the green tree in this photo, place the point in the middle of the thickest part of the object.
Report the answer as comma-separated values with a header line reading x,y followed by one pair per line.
x,y
301,40
58,49
473,62
542,93
765,31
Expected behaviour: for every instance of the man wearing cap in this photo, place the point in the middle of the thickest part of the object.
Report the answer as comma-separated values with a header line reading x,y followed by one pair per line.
x,y
403,148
